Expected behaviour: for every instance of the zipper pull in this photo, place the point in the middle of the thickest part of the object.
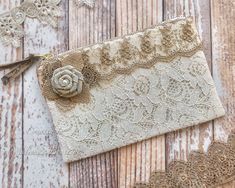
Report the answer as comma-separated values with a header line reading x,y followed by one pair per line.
x,y
19,67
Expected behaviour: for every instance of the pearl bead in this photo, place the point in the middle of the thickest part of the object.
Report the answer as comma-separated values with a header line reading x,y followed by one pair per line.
x,y
65,82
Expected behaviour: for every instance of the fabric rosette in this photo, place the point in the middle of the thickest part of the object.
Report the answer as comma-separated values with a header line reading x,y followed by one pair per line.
x,y
67,81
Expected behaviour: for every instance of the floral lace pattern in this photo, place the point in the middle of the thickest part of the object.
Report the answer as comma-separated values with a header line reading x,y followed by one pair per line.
x,y
11,30
140,91
88,3
211,169
122,56
139,106
141,49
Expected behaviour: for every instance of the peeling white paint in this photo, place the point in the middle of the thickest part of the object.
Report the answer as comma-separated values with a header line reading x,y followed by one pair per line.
x,y
216,47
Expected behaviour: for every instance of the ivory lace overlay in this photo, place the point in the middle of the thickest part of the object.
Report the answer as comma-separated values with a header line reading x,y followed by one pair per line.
x,y
11,30
88,3
136,87
204,170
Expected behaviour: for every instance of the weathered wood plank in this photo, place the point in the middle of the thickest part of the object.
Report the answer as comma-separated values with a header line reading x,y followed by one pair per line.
x,y
180,143
97,171
137,161
223,58
87,26
11,165
43,165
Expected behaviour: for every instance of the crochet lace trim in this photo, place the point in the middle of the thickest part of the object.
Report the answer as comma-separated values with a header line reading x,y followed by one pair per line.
x,y
104,61
11,30
211,169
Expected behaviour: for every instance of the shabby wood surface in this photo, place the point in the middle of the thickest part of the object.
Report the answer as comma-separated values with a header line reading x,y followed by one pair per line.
x,y
29,153
223,57
41,159
11,124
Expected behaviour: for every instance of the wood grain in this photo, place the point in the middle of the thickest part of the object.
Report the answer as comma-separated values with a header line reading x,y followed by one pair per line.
x,y
223,58
88,26
43,165
180,143
137,161
11,165
29,151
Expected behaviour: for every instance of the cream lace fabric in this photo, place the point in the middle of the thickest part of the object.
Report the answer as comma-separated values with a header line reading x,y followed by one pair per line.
x,y
134,88
11,30
204,170
88,3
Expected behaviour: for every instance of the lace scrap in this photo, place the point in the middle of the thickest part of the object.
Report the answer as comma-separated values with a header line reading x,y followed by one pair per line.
x,y
204,170
88,3
11,30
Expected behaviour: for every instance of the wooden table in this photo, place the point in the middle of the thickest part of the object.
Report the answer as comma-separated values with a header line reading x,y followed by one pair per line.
x,y
29,153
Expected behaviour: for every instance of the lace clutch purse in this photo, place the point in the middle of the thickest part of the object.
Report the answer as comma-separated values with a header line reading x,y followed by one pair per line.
x,y
122,91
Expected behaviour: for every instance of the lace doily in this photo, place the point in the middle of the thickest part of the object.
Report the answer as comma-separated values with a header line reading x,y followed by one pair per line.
x,y
134,87
88,3
11,30
204,170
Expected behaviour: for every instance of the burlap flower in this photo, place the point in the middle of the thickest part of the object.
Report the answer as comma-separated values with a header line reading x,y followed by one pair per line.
x,y
67,81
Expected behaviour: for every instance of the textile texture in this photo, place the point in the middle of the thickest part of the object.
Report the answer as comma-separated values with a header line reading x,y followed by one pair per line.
x,y
128,89
214,168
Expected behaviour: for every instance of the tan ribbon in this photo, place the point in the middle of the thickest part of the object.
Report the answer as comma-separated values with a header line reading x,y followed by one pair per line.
x,y
19,67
